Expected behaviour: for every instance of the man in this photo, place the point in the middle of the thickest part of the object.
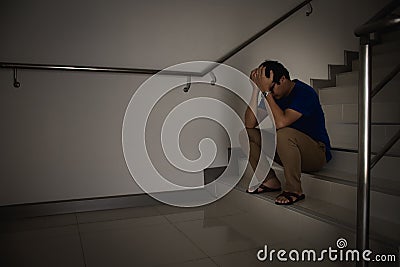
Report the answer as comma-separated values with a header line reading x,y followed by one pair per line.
x,y
302,140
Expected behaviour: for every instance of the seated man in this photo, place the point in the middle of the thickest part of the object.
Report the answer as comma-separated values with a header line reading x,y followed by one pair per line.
x,y
302,140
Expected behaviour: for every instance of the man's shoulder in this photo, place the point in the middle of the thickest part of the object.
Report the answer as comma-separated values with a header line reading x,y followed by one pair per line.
x,y
305,93
304,87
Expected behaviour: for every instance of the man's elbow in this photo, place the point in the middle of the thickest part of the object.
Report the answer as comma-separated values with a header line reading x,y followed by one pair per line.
x,y
281,124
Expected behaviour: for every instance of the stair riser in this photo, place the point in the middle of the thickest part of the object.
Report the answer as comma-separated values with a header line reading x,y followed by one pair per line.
x,y
388,113
346,136
349,94
351,78
347,162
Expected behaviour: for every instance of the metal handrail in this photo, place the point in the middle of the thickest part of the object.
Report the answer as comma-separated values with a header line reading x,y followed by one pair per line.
x,y
380,20
385,80
376,24
92,68
364,148
263,31
385,149
385,11
155,71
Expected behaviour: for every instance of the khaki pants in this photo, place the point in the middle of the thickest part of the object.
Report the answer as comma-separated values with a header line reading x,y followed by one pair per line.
x,y
295,151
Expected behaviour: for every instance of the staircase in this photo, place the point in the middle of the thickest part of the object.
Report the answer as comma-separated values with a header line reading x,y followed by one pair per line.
x,y
340,106
331,194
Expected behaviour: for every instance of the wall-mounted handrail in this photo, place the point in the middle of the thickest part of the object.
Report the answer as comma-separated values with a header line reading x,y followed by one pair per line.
x,y
154,71
94,69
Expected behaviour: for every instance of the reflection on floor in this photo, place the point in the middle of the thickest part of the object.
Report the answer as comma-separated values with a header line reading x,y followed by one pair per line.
x,y
228,232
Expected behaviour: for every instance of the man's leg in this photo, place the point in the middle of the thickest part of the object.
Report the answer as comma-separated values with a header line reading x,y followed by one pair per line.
x,y
253,147
297,152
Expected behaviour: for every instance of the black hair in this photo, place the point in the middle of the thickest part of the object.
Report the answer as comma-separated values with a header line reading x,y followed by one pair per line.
x,y
277,68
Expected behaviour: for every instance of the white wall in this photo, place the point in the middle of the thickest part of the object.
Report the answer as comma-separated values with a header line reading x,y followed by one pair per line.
x,y
61,131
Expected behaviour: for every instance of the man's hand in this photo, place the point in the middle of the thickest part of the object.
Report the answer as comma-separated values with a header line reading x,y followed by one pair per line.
x,y
260,79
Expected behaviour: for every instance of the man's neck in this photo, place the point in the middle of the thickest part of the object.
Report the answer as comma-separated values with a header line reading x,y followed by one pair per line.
x,y
291,86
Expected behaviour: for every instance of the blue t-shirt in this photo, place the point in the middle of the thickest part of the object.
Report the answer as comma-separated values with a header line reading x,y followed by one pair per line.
x,y
305,100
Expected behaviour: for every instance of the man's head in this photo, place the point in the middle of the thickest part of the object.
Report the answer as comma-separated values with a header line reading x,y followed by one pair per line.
x,y
277,68
282,84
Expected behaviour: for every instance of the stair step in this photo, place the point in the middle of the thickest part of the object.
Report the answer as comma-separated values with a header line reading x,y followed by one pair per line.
x,y
382,113
331,196
349,94
345,136
382,231
351,78
344,195
340,188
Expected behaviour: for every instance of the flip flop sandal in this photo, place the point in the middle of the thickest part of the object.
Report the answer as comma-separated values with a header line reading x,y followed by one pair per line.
x,y
263,190
288,196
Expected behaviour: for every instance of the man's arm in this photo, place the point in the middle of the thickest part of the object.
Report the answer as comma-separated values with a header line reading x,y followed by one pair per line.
x,y
253,112
282,118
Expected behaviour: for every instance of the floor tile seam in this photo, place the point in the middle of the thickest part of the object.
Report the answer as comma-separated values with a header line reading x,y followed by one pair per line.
x,y
188,238
157,213
213,217
81,242
37,229
119,219
240,250
119,229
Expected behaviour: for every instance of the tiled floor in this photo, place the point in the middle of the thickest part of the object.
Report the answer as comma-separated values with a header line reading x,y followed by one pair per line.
x,y
228,232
